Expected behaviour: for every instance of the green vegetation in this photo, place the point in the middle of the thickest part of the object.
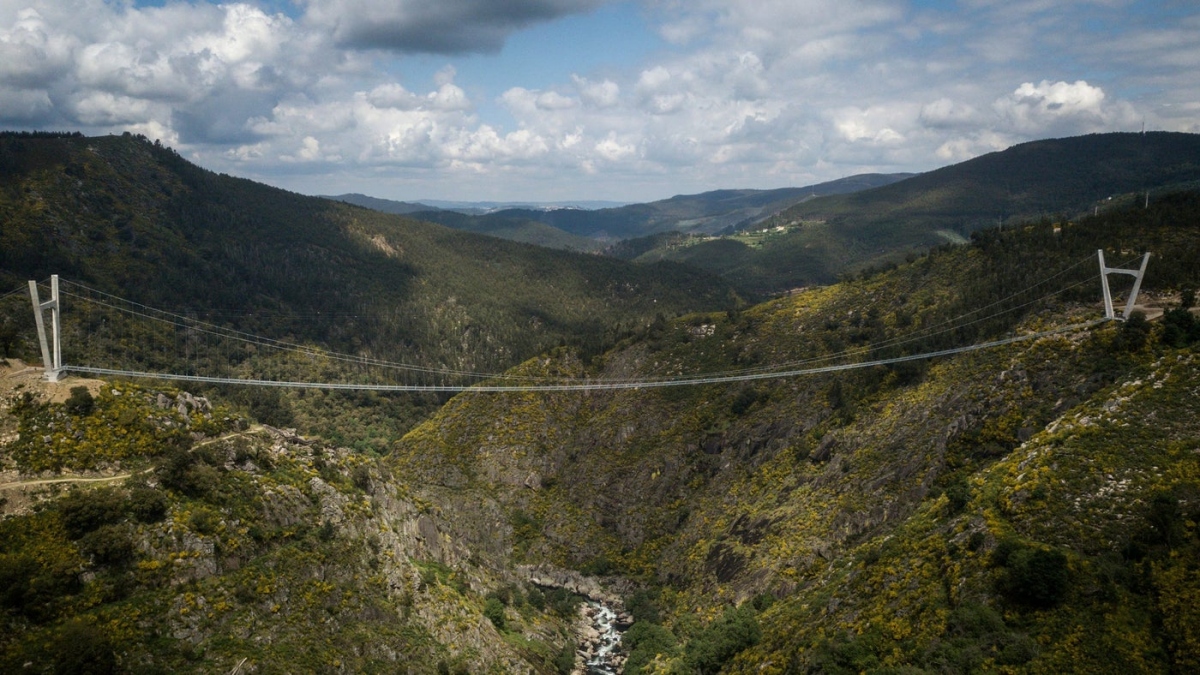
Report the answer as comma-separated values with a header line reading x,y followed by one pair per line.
x,y
231,544
991,511
132,218
1031,507
835,235
122,425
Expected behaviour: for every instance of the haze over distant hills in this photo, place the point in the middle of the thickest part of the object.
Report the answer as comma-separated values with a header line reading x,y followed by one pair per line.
x,y
707,212
467,207
592,225
491,206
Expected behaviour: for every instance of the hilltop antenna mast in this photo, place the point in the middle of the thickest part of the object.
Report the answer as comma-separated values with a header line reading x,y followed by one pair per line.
x,y
51,360
1137,285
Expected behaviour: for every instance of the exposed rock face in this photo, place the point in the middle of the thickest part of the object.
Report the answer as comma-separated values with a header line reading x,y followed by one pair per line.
x,y
609,590
184,403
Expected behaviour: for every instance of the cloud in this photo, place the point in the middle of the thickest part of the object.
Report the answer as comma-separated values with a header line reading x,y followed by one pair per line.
x,y
31,53
24,105
1062,107
434,26
604,94
756,93
947,114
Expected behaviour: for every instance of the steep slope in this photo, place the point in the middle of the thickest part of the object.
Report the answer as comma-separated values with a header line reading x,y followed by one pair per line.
x,y
973,512
134,219
1063,177
220,546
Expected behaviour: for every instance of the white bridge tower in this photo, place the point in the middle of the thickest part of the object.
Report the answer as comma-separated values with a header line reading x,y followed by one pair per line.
x,y
1137,285
51,353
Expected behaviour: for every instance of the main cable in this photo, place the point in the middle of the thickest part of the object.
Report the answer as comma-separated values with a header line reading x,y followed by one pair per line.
x,y
586,386
179,321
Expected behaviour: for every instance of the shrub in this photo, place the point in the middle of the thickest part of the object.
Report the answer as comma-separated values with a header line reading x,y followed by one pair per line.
x,y
1180,328
646,640
564,662
32,585
1133,334
1034,577
146,504
562,602
85,510
537,599
958,493
723,639
108,545
643,607
83,649
493,609
80,402
204,521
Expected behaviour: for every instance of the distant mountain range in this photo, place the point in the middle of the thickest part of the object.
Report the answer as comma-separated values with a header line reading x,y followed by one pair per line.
x,y
469,208
1061,179
707,213
768,241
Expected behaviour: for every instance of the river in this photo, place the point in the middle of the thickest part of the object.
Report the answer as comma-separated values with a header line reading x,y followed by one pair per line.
x,y
600,645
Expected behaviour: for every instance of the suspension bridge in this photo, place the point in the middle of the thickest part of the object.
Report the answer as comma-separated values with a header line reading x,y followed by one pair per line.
x,y
115,337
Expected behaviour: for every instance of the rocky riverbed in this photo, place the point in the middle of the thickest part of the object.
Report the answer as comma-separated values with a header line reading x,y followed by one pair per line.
x,y
600,628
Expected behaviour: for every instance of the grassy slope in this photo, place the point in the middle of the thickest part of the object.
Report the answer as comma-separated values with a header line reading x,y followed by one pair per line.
x,y
870,503
1042,178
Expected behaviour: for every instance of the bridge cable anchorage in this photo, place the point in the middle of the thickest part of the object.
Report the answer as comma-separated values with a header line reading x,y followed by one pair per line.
x,y
280,357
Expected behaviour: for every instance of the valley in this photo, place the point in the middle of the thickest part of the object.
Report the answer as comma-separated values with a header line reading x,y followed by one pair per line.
x,y
821,497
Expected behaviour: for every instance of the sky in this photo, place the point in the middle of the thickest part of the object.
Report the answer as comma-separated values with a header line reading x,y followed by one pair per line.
x,y
625,100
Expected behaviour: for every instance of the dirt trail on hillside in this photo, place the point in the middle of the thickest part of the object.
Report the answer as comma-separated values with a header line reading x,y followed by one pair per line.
x,y
18,494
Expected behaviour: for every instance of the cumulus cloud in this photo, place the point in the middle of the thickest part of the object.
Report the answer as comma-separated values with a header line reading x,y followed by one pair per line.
x,y
758,93
31,52
603,94
103,67
1061,106
434,26
945,113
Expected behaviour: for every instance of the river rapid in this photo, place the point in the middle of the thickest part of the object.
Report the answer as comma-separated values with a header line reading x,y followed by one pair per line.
x,y
600,639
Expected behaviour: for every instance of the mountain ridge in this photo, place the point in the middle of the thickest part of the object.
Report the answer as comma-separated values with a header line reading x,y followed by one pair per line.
x,y
1057,178
706,212
129,217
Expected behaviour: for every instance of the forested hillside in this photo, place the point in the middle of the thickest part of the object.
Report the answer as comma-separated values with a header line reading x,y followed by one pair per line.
x,y
131,218
1025,508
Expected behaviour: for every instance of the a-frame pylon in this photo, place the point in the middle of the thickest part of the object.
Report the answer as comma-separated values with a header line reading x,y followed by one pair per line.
x,y
1137,285
51,352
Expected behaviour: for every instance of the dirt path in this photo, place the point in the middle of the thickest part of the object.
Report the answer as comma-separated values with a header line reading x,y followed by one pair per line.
x,y
49,481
